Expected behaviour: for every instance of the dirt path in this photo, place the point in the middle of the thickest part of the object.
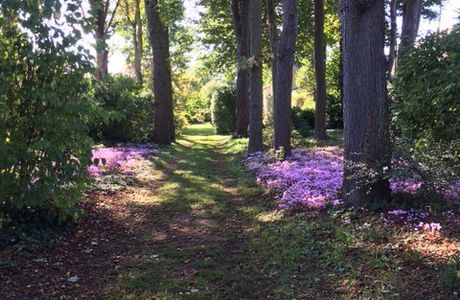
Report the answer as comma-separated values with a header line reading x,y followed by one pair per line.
x,y
179,228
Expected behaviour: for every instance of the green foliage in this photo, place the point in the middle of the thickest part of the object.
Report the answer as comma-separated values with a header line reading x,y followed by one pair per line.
x,y
334,111
427,89
426,109
303,120
44,147
223,110
126,111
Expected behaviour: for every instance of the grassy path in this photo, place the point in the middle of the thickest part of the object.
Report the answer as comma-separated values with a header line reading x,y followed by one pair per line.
x,y
199,219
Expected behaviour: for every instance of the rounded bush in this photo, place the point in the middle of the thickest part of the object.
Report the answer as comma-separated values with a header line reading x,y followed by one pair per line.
x,y
223,110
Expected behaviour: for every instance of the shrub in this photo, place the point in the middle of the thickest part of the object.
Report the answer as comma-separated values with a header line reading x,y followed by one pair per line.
x,y
427,89
426,109
126,111
334,112
303,120
44,107
223,110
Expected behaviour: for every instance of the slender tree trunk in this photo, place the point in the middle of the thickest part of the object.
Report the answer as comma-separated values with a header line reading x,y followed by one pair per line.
x,y
256,85
366,131
283,82
102,54
320,72
163,119
393,36
412,11
240,13
137,43
273,37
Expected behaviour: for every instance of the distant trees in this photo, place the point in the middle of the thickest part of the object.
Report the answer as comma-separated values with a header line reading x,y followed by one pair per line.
x,y
163,119
132,17
103,12
283,79
366,120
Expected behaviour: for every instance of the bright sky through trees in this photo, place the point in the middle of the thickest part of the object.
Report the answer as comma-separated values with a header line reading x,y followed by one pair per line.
x,y
117,61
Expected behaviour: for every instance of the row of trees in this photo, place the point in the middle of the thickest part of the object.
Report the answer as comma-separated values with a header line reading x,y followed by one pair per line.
x,y
366,29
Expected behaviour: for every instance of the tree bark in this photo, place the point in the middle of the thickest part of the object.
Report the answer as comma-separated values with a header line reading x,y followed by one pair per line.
x,y
163,120
100,35
103,22
411,14
393,36
240,14
273,39
366,121
320,72
256,82
283,82
138,43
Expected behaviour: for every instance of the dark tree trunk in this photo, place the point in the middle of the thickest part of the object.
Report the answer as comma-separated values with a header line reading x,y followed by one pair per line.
x,y
163,119
366,131
320,72
283,82
412,11
273,37
256,84
393,33
138,43
240,13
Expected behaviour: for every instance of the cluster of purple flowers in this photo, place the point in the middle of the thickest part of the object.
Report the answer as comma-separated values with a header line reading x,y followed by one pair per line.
x,y
310,177
313,178
118,159
416,220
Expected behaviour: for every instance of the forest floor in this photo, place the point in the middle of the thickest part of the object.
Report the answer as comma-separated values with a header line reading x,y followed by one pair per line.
x,y
191,223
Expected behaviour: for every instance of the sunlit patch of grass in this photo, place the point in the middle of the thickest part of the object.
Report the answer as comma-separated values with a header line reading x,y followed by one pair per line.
x,y
270,216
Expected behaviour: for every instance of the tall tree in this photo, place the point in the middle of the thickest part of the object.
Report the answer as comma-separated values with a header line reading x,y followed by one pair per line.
x,y
240,13
256,82
134,22
163,116
273,40
392,38
366,124
103,12
411,14
320,72
283,82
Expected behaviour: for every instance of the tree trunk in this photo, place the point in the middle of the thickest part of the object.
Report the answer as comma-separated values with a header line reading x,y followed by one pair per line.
x,y
393,33
366,131
320,72
137,43
100,35
240,13
273,37
283,82
412,11
256,82
163,119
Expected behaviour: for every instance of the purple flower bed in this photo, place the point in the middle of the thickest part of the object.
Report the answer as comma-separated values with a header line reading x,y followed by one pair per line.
x,y
118,159
313,178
